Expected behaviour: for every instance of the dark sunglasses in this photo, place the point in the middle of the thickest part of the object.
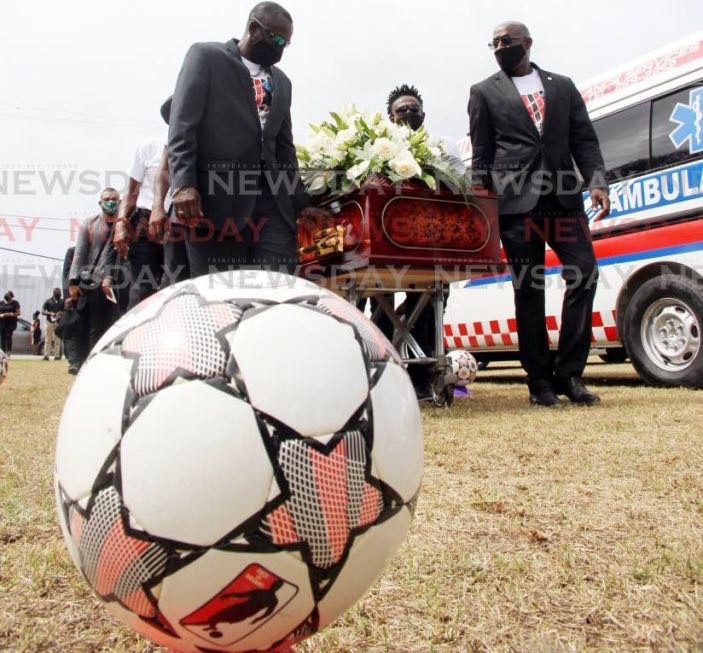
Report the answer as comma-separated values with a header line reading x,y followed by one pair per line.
x,y
412,109
505,41
276,39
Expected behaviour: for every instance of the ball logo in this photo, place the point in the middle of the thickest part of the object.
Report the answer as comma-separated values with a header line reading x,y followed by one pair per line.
x,y
242,607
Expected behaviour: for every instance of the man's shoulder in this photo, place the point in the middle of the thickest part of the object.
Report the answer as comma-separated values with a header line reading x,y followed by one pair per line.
x,y
555,77
150,148
487,82
89,222
209,46
208,50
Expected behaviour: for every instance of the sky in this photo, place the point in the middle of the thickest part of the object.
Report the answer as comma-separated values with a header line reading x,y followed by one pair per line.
x,y
82,82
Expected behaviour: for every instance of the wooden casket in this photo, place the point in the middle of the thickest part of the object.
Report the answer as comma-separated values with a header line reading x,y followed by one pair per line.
x,y
398,235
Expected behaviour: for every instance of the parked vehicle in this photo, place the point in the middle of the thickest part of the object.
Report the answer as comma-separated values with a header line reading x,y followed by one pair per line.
x,y
22,338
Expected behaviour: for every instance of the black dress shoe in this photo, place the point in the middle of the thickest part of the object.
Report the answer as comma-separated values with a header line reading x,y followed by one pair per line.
x,y
576,391
542,394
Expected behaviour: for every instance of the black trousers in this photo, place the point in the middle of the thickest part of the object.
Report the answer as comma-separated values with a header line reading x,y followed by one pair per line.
x,y
6,332
72,350
146,260
265,240
524,237
98,315
176,266
383,322
423,331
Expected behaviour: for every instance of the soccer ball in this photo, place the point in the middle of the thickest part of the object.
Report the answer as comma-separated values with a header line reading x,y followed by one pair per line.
x,y
464,367
237,461
4,366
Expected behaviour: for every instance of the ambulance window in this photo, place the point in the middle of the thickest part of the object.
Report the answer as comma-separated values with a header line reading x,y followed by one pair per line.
x,y
624,141
677,140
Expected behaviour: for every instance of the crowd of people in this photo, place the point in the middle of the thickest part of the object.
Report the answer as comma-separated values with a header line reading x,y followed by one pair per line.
x,y
224,192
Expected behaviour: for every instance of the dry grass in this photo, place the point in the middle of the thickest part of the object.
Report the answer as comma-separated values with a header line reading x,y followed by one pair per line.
x,y
537,530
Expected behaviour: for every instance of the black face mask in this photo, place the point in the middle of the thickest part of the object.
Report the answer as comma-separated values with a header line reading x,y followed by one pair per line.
x,y
509,58
265,54
413,120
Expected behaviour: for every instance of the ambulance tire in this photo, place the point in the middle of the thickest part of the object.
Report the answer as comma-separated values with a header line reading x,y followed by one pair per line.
x,y
664,331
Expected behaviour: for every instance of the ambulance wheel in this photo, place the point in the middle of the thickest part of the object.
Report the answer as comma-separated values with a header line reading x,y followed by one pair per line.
x,y
614,355
663,325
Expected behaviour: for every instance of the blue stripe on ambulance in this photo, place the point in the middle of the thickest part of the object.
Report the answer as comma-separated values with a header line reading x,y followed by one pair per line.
x,y
603,262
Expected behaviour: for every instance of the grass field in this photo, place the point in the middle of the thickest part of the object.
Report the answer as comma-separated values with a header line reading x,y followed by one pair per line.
x,y
537,530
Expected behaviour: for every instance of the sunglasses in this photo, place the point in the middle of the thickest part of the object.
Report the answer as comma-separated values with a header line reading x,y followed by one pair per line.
x,y
506,41
411,109
276,39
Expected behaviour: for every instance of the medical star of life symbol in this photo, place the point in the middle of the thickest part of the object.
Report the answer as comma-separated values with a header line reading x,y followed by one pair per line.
x,y
690,123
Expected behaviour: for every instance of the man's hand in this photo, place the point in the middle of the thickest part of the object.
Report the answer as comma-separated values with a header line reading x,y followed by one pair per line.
x,y
187,204
106,286
121,238
600,198
74,292
319,218
158,225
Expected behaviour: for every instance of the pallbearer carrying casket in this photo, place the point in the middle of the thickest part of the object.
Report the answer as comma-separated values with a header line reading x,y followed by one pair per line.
x,y
405,106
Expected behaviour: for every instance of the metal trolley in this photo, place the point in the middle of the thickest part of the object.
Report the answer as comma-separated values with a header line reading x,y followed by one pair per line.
x,y
385,240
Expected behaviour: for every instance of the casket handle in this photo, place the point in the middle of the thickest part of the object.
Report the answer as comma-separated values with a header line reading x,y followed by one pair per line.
x,y
325,242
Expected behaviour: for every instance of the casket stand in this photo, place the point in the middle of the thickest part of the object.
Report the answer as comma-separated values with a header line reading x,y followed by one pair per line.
x,y
403,237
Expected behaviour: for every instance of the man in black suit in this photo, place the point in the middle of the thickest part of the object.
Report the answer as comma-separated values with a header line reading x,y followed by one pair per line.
x,y
71,345
232,161
528,127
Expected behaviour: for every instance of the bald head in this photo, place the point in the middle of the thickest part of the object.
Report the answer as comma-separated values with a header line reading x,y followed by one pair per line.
x,y
511,44
269,30
514,28
269,11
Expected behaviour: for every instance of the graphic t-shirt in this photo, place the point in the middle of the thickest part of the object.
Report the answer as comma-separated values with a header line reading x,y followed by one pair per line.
x,y
263,89
531,91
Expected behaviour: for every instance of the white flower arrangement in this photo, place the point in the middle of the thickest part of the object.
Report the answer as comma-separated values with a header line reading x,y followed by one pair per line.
x,y
340,154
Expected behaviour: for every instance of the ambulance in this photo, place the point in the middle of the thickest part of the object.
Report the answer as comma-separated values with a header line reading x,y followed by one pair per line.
x,y
649,304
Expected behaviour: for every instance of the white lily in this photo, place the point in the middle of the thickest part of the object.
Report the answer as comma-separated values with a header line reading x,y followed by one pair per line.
x,y
358,170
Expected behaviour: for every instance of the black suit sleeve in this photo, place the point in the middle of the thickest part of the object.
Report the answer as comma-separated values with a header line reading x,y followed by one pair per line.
x,y
187,110
482,138
288,162
584,143
67,260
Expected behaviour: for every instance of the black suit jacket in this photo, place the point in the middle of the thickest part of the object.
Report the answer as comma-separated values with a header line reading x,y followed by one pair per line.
x,y
507,148
215,140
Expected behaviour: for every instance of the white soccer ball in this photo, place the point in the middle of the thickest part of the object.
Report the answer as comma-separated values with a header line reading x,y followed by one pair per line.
x,y
464,367
4,366
237,461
